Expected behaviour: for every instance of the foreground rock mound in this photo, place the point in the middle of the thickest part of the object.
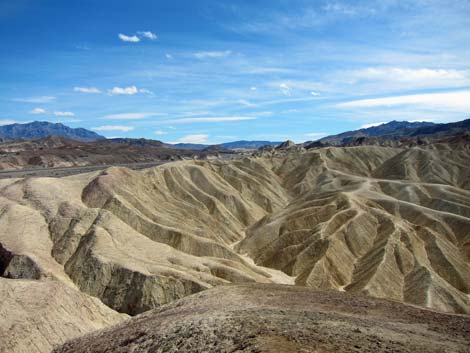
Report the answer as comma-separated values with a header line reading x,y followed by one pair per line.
x,y
273,318
37,315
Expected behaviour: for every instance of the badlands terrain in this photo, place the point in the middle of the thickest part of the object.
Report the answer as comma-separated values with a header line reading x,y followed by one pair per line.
x,y
344,224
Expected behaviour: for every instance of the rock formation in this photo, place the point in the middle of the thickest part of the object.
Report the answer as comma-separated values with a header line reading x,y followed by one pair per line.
x,y
384,221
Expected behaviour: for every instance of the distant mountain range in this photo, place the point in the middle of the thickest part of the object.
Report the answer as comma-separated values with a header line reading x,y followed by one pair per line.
x,y
393,130
398,129
248,145
42,129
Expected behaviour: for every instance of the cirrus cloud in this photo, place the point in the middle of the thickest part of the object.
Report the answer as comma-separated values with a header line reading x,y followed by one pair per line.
x,y
64,113
87,90
213,119
9,122
38,111
316,135
409,77
113,128
148,35
212,54
131,90
458,101
126,38
194,138
131,116
41,99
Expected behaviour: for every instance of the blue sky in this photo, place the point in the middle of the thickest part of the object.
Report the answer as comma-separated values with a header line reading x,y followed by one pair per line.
x,y
216,71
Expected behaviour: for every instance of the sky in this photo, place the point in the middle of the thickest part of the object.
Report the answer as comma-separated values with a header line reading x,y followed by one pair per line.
x,y
215,71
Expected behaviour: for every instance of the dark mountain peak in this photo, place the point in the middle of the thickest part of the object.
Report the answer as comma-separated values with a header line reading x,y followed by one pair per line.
x,y
285,145
43,129
392,129
141,142
216,149
395,126
244,144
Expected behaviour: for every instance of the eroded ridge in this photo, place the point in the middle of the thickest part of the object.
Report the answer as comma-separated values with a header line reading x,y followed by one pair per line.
x,y
357,219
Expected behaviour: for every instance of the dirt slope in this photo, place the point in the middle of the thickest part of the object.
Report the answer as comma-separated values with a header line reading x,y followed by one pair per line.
x,y
37,315
273,318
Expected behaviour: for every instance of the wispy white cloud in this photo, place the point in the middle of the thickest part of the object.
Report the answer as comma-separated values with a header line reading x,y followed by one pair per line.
x,y
260,114
42,99
131,90
64,113
87,90
82,47
169,56
38,111
212,54
452,101
125,38
343,8
70,121
316,135
409,78
113,128
146,91
148,35
124,90
131,116
312,87
402,113
266,70
285,89
56,113
8,122
212,119
246,103
160,132
195,138
366,126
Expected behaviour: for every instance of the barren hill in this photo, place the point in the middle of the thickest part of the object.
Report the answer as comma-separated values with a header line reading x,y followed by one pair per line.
x,y
273,318
384,221
57,152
